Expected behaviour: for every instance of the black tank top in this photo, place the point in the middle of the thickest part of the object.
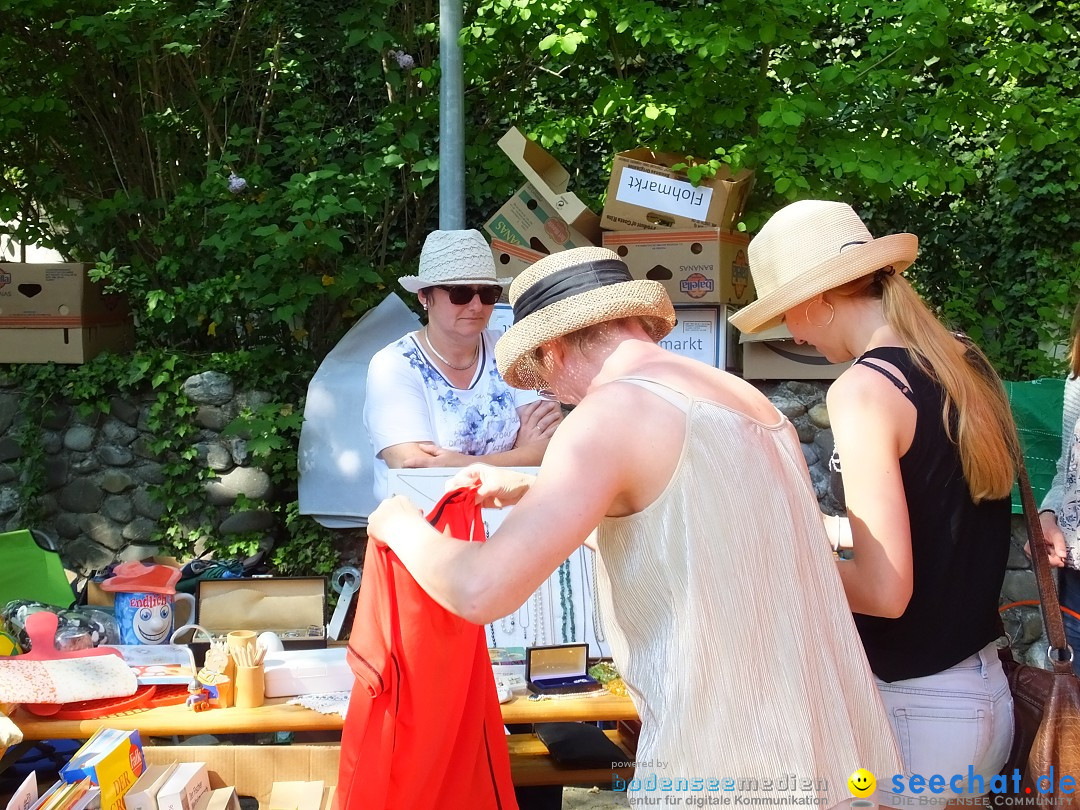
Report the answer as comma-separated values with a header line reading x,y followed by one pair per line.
x,y
959,548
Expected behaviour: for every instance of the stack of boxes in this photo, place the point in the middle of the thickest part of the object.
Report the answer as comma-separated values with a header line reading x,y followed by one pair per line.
x,y
666,229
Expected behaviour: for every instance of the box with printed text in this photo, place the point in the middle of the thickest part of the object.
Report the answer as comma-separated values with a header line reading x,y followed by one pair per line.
x,y
645,192
703,266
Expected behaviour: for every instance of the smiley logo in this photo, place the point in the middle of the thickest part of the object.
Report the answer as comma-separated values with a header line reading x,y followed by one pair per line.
x,y
861,783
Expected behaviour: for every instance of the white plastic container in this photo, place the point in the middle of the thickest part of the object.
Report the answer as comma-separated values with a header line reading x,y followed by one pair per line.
x,y
307,672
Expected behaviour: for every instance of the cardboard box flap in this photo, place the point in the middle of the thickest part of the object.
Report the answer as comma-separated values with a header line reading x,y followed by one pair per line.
x,y
779,332
551,180
292,607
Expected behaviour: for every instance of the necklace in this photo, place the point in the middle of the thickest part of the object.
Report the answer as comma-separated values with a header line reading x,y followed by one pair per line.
x,y
598,625
508,624
566,602
434,351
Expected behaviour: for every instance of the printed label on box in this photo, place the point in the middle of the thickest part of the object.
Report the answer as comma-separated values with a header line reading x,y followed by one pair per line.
x,y
666,194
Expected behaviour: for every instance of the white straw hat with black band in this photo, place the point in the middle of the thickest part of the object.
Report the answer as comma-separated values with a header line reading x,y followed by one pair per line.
x,y
454,258
570,290
810,247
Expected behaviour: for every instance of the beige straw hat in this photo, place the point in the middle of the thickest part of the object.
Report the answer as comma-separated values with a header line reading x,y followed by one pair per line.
x,y
454,257
570,290
810,247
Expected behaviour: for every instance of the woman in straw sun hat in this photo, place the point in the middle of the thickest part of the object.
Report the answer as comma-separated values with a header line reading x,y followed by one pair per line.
x,y
705,512
926,449
435,397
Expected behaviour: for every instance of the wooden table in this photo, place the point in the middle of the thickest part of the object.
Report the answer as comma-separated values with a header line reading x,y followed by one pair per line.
x,y
278,715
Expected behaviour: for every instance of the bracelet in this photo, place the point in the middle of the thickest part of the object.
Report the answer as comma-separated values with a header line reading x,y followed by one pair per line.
x,y
1045,511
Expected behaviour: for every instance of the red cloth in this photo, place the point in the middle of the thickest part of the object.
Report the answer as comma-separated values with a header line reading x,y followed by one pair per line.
x,y
424,729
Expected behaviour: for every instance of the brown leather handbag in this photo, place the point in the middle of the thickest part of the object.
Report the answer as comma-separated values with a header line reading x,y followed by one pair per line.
x,y
1046,742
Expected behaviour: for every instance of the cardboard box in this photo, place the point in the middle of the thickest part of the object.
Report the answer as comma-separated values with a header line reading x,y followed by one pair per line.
x,y
548,177
55,296
529,222
53,313
187,787
306,672
253,769
705,266
773,355
645,192
67,345
511,259
703,333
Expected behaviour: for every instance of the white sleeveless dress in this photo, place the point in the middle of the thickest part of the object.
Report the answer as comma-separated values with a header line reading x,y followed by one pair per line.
x,y
728,621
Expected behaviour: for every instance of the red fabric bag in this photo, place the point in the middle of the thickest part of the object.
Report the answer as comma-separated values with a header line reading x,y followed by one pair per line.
x,y
424,728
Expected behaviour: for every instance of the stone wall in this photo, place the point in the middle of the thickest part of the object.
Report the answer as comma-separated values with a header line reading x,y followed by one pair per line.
x,y
99,473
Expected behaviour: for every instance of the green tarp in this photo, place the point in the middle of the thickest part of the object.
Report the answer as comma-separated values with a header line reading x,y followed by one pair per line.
x,y
1036,406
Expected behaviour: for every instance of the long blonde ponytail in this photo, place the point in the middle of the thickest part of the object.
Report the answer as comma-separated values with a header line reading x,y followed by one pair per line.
x,y
976,412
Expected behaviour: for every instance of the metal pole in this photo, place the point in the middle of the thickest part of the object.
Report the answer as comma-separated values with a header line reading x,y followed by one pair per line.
x,y
451,119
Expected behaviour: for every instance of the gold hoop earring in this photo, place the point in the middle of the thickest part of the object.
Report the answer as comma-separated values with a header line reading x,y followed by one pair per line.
x,y
823,302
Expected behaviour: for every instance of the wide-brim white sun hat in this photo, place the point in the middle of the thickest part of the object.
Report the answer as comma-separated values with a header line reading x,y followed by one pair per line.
x,y
570,290
810,247
453,258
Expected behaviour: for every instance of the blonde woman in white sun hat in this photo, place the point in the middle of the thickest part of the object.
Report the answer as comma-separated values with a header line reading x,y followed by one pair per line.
x,y
435,397
926,449
713,554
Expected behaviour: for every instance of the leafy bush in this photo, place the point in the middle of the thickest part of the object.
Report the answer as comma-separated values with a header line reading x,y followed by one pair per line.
x,y
255,174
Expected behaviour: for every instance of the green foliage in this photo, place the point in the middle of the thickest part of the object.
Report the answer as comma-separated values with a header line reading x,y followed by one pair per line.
x,y
255,174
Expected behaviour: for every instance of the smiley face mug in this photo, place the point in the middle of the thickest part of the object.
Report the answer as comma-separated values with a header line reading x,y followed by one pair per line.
x,y
145,602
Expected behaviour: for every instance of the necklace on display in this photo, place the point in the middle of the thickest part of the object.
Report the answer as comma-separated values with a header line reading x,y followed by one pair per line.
x,y
566,602
434,351
597,623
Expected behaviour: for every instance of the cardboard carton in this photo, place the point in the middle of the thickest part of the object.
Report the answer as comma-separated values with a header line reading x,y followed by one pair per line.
x,y
774,355
253,769
645,192
55,296
703,333
548,177
53,313
511,259
704,266
527,221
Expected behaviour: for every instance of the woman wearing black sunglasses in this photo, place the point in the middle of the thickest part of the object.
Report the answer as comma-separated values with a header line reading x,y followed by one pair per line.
x,y
434,397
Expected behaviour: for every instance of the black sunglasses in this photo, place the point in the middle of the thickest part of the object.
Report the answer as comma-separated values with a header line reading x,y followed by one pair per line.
x,y
460,295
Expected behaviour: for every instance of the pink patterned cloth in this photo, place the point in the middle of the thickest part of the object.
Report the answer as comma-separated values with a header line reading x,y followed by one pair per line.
x,y
65,680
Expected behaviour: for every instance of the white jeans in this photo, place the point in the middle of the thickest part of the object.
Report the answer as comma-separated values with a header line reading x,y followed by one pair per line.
x,y
958,722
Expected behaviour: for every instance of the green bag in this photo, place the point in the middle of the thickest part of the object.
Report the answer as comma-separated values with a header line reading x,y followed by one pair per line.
x,y
30,571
